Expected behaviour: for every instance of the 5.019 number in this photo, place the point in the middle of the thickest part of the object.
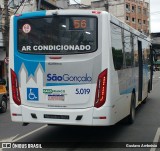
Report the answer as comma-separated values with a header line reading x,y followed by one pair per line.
x,y
82,91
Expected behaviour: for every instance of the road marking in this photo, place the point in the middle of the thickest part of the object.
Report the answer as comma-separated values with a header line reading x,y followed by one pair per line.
x,y
156,138
10,139
30,133
13,138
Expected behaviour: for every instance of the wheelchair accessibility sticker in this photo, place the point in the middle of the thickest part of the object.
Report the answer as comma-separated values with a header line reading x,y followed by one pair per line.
x,y
32,94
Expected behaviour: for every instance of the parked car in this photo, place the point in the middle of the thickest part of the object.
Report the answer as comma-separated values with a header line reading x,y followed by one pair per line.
x,y
3,96
157,68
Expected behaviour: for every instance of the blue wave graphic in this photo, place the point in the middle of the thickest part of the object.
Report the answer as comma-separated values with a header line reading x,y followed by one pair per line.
x,y
30,61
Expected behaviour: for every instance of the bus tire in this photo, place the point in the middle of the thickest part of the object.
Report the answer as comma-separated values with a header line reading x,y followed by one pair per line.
x,y
144,101
131,116
149,89
3,105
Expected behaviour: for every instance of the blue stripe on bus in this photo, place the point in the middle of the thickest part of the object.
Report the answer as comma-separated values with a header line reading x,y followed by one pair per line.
x,y
127,91
20,58
63,84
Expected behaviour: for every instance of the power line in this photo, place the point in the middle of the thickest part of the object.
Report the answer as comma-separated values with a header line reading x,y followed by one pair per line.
x,y
7,6
23,5
19,6
155,12
81,4
16,9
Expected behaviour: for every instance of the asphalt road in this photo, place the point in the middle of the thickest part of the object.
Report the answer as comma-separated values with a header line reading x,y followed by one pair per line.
x,y
145,129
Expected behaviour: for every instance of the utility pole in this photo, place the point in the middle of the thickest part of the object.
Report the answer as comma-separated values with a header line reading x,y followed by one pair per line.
x,y
6,27
39,4
5,32
106,5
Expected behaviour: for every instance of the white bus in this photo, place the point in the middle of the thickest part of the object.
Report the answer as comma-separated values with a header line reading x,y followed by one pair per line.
x,y
76,67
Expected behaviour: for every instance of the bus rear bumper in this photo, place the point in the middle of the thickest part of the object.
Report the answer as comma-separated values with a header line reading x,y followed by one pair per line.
x,y
87,117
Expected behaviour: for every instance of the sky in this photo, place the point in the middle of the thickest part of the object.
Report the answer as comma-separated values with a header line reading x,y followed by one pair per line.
x,y
155,15
74,2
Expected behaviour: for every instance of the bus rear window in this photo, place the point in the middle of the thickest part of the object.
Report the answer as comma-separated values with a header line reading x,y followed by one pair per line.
x,y
57,35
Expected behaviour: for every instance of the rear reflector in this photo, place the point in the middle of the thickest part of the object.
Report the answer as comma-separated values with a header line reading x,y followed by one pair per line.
x,y
101,89
15,114
17,15
96,12
55,57
100,118
15,88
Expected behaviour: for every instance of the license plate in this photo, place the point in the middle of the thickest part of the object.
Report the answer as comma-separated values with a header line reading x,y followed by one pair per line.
x,y
56,116
56,97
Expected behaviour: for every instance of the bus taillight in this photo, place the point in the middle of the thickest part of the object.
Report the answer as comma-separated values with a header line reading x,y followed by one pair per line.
x,y
15,88
101,89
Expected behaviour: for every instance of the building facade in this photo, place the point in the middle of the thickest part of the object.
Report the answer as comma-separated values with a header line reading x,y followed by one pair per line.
x,y
156,44
54,4
2,49
133,12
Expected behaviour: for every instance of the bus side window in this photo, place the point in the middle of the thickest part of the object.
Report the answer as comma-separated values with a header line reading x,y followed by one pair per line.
x,y
128,49
117,58
117,48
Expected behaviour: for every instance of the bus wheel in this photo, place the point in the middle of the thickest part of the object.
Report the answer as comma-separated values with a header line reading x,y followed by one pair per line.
x,y
149,89
3,105
144,101
131,116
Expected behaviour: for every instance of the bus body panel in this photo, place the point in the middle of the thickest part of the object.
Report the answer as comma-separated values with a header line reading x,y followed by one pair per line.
x,y
124,82
50,83
75,90
90,116
54,87
15,109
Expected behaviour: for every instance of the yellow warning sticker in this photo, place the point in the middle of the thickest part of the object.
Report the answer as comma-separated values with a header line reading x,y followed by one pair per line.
x,y
3,89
